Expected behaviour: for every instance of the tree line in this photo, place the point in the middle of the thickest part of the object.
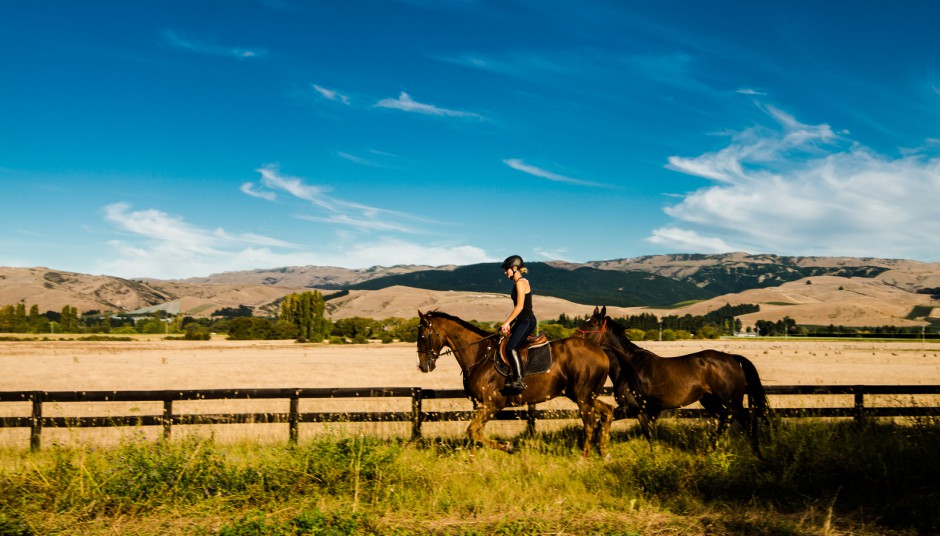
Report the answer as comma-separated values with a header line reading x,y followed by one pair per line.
x,y
302,316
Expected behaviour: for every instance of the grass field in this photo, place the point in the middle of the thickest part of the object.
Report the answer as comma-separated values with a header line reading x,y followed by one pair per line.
x,y
818,478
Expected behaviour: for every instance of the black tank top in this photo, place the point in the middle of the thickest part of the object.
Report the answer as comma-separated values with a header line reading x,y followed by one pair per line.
x,y
526,304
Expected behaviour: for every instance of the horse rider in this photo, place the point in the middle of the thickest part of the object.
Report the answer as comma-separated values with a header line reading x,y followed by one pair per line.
x,y
521,321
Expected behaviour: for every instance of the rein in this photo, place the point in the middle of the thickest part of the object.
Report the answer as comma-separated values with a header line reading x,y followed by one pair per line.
x,y
454,350
600,330
436,354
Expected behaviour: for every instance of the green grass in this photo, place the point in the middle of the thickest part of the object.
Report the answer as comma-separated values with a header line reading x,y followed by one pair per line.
x,y
817,477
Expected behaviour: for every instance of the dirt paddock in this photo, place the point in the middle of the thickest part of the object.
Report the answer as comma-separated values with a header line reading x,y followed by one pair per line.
x,y
220,364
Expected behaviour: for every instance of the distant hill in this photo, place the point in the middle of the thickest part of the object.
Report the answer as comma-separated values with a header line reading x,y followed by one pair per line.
x,y
811,290
736,272
716,273
584,285
51,290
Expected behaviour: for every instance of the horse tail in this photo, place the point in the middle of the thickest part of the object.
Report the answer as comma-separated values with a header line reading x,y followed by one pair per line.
x,y
756,396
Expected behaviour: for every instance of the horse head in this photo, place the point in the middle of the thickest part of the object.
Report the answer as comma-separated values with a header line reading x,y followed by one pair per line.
x,y
594,328
430,343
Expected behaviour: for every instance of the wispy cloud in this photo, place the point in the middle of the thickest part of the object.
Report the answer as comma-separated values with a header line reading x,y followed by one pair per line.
x,y
159,245
358,159
250,189
330,94
210,49
749,91
334,210
801,189
159,225
757,145
405,103
557,254
688,240
520,165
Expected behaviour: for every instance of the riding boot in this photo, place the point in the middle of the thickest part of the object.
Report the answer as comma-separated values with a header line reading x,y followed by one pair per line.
x,y
515,383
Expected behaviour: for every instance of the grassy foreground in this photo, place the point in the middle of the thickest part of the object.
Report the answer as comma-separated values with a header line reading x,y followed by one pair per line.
x,y
817,478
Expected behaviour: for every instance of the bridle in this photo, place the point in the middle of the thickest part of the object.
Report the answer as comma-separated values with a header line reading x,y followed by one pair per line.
x,y
435,354
599,330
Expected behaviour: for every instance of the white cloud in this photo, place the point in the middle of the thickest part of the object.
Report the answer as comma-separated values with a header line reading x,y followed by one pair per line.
x,y
405,103
210,49
358,159
249,189
337,211
332,95
558,254
162,246
272,178
686,240
520,165
802,190
156,244
750,91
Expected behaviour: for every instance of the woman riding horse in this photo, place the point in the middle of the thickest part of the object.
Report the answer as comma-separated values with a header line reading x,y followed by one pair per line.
x,y
578,371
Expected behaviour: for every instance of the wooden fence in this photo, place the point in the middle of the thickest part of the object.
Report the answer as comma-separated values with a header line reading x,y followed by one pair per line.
x,y
416,416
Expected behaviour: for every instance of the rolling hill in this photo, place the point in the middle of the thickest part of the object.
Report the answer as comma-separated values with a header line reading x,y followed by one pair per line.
x,y
811,290
582,284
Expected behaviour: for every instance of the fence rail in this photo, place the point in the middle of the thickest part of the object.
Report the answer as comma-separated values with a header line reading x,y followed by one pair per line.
x,y
294,417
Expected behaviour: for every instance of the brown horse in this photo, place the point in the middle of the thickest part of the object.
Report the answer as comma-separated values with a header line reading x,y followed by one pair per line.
x,y
646,384
578,371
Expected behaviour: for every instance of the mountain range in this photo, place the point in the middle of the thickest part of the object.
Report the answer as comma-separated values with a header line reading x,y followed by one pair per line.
x,y
811,290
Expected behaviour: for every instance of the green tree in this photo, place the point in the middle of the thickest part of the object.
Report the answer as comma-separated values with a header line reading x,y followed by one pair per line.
x,y
305,311
239,328
402,329
20,323
69,320
7,315
708,331
635,334
285,330
555,331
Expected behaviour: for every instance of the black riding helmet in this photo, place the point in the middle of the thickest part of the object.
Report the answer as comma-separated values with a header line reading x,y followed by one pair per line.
x,y
513,260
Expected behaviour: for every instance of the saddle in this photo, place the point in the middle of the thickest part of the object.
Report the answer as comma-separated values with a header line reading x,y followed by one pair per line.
x,y
530,342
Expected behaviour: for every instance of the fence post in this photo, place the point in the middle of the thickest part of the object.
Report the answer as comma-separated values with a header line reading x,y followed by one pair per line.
x,y
859,402
35,421
293,419
416,399
167,418
530,420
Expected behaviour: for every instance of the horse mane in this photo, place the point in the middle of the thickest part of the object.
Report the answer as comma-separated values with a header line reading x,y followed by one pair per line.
x,y
441,314
621,332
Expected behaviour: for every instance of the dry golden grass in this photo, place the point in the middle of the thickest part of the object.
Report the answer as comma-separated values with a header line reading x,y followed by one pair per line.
x,y
154,364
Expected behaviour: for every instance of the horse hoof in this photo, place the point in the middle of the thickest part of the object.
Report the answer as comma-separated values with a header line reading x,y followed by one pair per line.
x,y
507,447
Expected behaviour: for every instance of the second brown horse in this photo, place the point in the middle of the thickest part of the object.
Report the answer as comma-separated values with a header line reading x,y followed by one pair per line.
x,y
645,384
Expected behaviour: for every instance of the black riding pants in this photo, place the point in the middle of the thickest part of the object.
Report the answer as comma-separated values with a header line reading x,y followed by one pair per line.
x,y
521,328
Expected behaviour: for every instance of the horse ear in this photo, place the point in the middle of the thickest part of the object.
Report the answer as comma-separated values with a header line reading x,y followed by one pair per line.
x,y
595,310
604,311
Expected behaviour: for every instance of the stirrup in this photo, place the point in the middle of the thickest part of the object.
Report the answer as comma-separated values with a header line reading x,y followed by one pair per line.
x,y
517,385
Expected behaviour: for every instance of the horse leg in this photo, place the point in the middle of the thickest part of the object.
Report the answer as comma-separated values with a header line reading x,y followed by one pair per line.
x,y
646,419
751,427
475,431
589,417
713,405
606,412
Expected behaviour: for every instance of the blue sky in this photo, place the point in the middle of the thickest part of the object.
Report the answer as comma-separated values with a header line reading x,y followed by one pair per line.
x,y
174,139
